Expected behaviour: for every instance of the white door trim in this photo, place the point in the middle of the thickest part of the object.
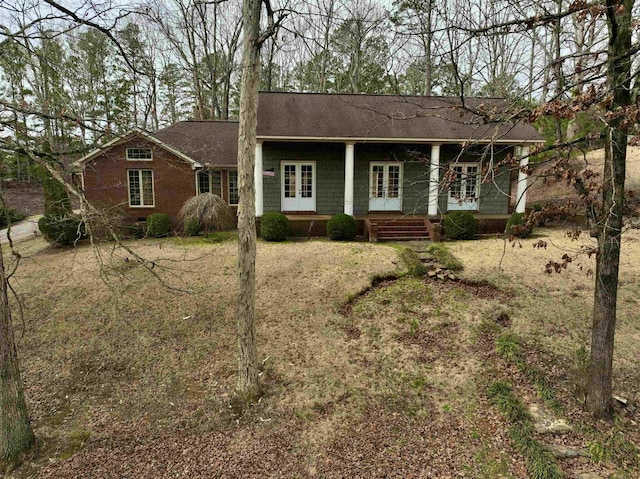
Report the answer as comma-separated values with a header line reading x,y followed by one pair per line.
x,y
298,203
462,195
382,197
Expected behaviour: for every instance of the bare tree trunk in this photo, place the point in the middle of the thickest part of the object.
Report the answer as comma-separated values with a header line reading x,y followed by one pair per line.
x,y
16,435
599,386
427,51
270,62
326,40
557,67
247,384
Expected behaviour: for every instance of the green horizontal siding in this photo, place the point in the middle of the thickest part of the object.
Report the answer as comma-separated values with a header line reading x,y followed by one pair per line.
x,y
415,186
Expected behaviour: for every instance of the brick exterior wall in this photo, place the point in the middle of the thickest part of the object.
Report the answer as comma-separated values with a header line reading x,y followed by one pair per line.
x,y
106,180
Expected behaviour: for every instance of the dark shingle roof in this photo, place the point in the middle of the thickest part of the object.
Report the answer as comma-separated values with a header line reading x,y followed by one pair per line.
x,y
212,142
369,117
343,116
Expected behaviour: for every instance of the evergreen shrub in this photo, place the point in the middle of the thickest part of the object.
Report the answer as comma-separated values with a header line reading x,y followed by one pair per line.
x,y
62,230
274,226
158,225
460,225
9,215
342,227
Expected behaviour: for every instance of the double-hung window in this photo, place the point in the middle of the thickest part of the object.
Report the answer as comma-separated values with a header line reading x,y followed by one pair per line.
x,y
210,181
140,188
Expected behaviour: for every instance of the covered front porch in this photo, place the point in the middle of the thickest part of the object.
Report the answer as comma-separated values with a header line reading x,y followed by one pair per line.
x,y
390,226
319,179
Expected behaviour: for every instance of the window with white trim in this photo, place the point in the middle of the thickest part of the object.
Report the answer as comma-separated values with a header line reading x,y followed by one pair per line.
x,y
464,190
210,181
233,187
140,187
139,154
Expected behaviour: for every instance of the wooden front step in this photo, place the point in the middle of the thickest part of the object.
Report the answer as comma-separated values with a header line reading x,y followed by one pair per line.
x,y
390,228
401,229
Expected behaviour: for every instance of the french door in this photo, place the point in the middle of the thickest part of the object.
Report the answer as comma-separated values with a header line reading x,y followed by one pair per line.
x,y
298,186
385,186
464,191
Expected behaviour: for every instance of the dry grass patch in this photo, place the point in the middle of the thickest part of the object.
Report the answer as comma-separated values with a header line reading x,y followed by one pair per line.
x,y
554,310
139,378
135,367
107,346
542,192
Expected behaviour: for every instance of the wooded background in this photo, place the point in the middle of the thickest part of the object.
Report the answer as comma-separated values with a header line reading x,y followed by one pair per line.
x,y
150,64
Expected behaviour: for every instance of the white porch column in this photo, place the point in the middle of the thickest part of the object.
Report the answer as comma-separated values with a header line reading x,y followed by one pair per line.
x,y
257,177
349,162
521,195
434,179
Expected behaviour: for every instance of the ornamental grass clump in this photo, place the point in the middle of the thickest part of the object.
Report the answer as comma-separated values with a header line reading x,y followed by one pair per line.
x,y
191,226
209,212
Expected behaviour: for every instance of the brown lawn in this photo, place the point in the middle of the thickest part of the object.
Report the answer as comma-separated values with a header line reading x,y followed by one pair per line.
x,y
127,378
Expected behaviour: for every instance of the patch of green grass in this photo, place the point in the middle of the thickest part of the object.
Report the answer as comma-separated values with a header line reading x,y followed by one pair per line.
x,y
412,262
206,239
502,396
442,254
56,419
540,463
304,414
414,327
419,382
76,440
405,295
487,328
489,466
459,296
221,236
26,247
614,446
508,346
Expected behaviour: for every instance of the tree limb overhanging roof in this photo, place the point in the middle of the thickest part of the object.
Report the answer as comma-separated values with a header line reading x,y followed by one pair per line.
x,y
389,117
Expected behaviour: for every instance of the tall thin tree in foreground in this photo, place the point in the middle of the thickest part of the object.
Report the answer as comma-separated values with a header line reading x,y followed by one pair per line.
x,y
247,385
16,435
618,75
613,100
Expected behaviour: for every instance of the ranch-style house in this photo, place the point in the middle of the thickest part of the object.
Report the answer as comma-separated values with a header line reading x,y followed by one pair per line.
x,y
396,163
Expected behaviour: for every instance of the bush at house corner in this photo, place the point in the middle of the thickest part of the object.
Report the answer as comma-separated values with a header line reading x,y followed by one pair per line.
x,y
158,225
62,230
